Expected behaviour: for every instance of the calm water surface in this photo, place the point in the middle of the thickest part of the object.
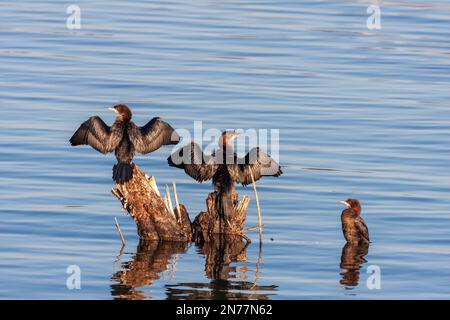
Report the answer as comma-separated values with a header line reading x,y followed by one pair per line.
x,y
361,114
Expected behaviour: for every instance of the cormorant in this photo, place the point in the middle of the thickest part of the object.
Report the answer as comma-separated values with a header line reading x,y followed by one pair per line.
x,y
353,226
224,166
125,138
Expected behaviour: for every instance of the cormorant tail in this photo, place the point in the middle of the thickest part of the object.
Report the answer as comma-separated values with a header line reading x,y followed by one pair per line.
x,y
122,172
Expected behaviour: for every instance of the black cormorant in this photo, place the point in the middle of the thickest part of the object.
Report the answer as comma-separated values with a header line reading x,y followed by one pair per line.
x,y
125,138
224,166
353,226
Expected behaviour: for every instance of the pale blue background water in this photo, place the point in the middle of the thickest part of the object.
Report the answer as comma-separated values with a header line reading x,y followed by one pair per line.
x,y
371,107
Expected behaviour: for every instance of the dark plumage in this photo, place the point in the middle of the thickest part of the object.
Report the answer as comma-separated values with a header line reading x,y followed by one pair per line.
x,y
125,138
224,166
353,226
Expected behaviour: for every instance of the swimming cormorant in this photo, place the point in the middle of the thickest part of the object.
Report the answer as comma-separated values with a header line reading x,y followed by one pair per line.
x,y
224,166
353,226
125,138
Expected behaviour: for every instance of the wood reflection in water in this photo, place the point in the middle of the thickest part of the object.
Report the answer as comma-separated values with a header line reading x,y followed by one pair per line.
x,y
150,261
227,280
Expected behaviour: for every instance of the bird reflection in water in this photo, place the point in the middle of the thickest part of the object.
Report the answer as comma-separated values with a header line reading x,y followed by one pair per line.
x,y
351,260
227,280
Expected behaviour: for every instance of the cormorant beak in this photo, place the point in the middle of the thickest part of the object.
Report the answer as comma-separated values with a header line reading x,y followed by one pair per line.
x,y
112,109
345,203
236,135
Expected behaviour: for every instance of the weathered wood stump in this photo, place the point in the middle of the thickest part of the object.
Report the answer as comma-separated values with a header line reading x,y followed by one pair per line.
x,y
212,221
156,219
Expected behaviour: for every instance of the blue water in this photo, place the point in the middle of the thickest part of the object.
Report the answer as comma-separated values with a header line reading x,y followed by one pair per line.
x,y
362,113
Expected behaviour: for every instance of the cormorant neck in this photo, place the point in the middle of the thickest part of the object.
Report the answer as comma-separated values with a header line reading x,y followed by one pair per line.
x,y
351,212
227,148
124,117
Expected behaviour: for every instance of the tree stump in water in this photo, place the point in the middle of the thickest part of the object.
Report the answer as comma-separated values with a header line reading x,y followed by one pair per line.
x,y
156,219
212,221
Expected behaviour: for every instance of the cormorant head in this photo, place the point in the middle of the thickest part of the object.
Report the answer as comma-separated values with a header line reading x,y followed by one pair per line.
x,y
124,113
227,137
352,204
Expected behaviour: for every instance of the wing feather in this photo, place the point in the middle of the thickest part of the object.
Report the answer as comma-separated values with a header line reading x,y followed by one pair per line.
x,y
97,134
362,229
194,162
152,136
257,162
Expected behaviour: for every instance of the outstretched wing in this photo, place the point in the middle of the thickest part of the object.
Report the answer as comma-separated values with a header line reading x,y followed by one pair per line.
x,y
97,134
194,162
257,162
152,136
362,229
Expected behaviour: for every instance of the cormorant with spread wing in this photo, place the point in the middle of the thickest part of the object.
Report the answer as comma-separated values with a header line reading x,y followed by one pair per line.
x,y
224,166
125,138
